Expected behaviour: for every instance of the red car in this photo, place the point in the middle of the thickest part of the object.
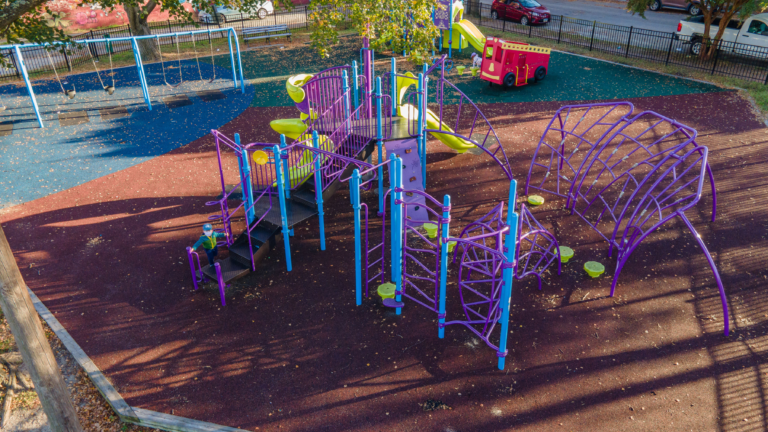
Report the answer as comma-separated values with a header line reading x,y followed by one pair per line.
x,y
524,11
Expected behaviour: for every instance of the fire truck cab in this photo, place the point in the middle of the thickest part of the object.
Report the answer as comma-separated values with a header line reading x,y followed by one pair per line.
x,y
513,63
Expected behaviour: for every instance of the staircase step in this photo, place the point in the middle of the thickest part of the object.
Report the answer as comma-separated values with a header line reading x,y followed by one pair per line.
x,y
239,252
305,197
261,235
230,270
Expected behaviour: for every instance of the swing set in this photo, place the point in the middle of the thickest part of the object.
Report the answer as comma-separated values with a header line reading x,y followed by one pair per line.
x,y
234,53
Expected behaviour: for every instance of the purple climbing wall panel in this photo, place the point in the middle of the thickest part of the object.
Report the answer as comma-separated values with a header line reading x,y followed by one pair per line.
x,y
407,150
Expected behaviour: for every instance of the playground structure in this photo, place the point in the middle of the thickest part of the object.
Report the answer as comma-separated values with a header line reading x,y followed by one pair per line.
x,y
625,175
93,46
449,19
342,122
513,63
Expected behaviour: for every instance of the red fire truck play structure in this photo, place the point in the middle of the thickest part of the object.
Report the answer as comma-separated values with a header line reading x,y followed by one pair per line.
x,y
513,63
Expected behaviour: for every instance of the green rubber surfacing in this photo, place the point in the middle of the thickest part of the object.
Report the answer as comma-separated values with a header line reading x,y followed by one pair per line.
x,y
570,78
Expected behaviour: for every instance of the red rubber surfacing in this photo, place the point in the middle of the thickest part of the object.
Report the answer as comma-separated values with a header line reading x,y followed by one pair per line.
x,y
292,351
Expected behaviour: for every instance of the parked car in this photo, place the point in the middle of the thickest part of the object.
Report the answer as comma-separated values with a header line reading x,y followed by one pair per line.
x,y
752,31
226,14
692,7
524,11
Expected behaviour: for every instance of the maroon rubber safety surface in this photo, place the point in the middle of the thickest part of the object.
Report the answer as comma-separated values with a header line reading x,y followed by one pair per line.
x,y
291,351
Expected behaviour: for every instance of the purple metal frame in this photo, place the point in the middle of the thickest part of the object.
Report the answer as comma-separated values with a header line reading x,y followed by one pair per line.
x,y
468,123
566,146
624,163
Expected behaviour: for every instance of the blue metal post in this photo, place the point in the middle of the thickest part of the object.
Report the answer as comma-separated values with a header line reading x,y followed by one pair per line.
x,y
397,230
239,61
29,85
506,289
445,230
379,145
355,86
393,87
283,212
286,168
142,75
245,179
354,193
232,60
319,189
433,41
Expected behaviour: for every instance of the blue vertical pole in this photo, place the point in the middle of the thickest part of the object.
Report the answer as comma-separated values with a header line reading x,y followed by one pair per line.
x,y
397,231
142,75
433,41
29,85
393,87
354,193
445,230
319,189
283,212
239,60
286,168
379,145
232,60
245,188
355,86
508,275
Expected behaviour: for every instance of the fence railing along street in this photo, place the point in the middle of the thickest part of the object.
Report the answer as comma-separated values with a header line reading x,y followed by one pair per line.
x,y
730,59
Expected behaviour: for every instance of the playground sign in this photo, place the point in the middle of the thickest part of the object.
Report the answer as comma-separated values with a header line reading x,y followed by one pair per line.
x,y
443,15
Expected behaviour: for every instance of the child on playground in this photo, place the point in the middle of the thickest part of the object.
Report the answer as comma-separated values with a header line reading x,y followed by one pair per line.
x,y
208,242
477,61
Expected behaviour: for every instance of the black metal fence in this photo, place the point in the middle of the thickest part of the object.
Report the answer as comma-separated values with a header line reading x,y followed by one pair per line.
x,y
730,59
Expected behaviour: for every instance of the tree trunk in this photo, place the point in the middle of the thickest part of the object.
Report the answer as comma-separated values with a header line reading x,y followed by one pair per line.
x,y
137,20
33,346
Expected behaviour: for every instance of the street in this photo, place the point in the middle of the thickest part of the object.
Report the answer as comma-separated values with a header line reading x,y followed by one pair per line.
x,y
614,13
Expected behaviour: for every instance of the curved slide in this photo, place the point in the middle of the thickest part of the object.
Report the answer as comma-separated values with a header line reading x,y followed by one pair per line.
x,y
471,33
433,122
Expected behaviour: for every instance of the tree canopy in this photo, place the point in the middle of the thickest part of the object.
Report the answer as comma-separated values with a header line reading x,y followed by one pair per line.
x,y
384,22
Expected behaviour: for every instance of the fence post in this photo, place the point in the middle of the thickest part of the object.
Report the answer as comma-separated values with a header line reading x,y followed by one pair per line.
x,y
592,39
504,25
560,30
129,31
669,51
629,41
530,30
66,59
15,64
170,30
714,66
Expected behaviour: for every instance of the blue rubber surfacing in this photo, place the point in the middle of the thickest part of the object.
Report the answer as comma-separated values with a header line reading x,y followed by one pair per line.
x,y
38,162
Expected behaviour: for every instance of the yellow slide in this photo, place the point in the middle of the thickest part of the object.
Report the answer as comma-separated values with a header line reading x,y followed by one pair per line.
x,y
294,86
471,33
433,122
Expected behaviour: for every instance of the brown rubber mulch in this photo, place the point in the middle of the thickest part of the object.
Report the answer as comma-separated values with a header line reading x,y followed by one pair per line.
x,y
291,351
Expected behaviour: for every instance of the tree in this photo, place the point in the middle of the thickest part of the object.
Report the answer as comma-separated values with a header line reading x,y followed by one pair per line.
x,y
711,9
33,346
383,22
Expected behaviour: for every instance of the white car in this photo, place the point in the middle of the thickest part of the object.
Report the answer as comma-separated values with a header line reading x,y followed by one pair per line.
x,y
753,31
226,14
